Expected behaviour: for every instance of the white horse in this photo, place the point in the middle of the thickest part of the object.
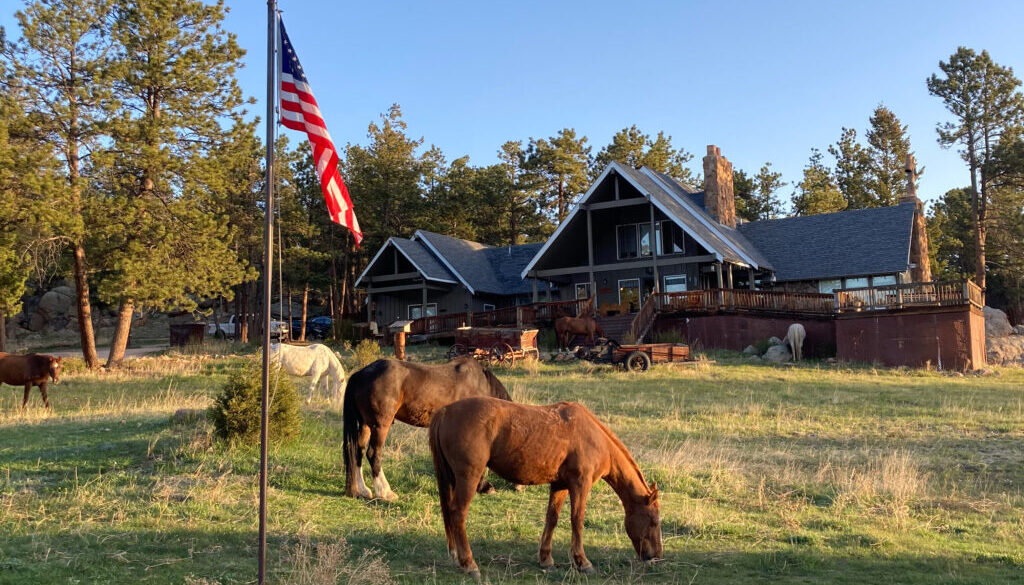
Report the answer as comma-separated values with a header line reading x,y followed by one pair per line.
x,y
316,361
795,338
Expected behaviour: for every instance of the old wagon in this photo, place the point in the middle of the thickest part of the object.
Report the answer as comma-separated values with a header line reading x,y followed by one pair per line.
x,y
635,357
497,345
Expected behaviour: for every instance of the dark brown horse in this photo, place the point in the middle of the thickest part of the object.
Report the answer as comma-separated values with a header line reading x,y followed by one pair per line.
x,y
389,389
30,370
567,328
561,444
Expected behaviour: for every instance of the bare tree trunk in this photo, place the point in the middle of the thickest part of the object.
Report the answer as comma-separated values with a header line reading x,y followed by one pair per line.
x,y
124,327
243,314
305,307
978,213
3,330
290,319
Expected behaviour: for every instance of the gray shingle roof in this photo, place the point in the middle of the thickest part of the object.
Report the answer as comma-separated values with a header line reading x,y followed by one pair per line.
x,y
833,245
484,268
424,260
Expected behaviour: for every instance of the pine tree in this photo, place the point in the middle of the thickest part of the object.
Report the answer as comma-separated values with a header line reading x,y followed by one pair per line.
x,y
63,60
562,161
756,197
632,147
817,192
169,245
852,171
951,235
985,102
888,147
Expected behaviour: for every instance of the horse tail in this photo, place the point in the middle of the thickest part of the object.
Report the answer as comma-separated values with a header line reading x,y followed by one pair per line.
x,y
352,425
443,472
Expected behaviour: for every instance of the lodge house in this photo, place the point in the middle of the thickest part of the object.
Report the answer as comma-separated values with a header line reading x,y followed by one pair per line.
x,y
636,229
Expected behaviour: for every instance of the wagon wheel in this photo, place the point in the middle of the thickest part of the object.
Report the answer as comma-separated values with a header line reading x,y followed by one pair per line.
x,y
531,352
457,350
510,355
495,355
638,361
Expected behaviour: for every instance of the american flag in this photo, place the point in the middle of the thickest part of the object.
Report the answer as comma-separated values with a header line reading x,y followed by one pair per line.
x,y
299,111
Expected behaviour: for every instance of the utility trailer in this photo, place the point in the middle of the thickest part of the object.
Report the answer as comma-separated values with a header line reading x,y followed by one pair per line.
x,y
636,357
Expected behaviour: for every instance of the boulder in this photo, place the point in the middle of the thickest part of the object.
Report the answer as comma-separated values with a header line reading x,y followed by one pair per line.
x,y
996,323
776,341
750,350
1018,329
754,359
57,301
1005,351
777,354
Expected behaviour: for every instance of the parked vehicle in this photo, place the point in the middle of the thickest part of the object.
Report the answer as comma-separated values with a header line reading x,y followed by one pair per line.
x,y
315,327
278,329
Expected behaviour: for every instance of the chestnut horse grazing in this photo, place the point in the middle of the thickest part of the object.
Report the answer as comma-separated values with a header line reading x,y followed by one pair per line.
x,y
560,444
389,389
567,328
28,371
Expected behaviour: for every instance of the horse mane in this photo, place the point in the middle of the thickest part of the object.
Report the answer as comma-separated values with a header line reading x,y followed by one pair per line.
x,y
622,447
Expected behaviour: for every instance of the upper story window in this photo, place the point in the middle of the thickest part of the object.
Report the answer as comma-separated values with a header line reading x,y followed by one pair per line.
x,y
670,238
628,246
634,239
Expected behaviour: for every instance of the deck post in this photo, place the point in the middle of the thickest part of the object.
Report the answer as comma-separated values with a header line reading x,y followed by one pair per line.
x,y
535,287
423,311
728,275
654,250
750,278
721,285
548,284
369,303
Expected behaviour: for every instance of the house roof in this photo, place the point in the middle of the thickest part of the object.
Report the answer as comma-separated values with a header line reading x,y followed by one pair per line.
x,y
482,268
417,255
833,245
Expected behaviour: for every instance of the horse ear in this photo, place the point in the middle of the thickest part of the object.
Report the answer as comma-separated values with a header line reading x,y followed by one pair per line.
x,y
653,496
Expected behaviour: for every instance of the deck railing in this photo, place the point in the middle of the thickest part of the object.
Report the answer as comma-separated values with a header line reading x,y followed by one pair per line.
x,y
735,299
644,318
901,296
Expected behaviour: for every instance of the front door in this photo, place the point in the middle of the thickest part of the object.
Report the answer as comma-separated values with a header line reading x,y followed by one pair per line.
x,y
629,294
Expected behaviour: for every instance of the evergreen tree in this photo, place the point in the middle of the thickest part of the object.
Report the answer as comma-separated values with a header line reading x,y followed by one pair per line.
x,y
562,162
169,244
756,197
1006,247
985,102
951,235
888,147
514,196
817,192
631,147
63,60
852,171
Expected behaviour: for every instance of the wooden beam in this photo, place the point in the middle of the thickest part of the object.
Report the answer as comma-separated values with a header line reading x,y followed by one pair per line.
x,y
391,277
617,203
534,279
590,255
728,280
403,287
654,251
645,263
616,186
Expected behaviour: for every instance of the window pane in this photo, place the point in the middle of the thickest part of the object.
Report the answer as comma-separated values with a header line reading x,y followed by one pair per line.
x,y
827,286
583,291
659,239
629,292
432,310
627,241
677,240
415,311
856,282
675,284
670,240
645,239
883,280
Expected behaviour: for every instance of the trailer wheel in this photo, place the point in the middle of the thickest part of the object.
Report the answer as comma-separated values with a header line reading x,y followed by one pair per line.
x,y
457,350
638,361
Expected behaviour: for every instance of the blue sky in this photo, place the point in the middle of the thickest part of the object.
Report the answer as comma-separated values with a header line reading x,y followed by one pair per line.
x,y
765,81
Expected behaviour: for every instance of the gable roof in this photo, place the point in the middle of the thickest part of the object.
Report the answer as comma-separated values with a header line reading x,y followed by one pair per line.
x,y
481,268
417,255
861,242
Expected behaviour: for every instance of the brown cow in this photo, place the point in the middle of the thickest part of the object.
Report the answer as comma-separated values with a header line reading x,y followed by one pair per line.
x,y
30,370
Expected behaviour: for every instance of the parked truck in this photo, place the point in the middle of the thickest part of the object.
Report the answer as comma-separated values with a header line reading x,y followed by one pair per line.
x,y
278,329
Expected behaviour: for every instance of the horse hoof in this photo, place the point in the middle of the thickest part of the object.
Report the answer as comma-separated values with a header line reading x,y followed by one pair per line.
x,y
388,497
547,565
475,574
520,488
587,570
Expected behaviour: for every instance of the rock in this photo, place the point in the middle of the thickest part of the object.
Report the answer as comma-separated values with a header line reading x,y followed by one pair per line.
x,y
754,359
776,341
56,302
750,350
1018,330
1005,351
777,354
996,323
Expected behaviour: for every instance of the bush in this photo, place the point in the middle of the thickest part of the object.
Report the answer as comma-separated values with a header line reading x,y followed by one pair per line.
x,y
762,345
236,412
669,336
546,339
366,352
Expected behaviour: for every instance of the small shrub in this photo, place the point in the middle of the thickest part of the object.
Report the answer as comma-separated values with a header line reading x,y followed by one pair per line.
x,y
547,340
366,352
236,411
762,345
315,563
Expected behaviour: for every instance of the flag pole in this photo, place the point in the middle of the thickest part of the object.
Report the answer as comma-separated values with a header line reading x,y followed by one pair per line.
x,y
268,263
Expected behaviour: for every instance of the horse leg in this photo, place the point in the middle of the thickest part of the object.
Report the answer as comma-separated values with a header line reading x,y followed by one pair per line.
x,y
357,487
555,500
28,388
578,501
465,488
42,390
313,387
378,434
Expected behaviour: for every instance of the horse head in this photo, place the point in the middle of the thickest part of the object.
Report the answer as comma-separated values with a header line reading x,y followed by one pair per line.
x,y
54,368
496,387
643,525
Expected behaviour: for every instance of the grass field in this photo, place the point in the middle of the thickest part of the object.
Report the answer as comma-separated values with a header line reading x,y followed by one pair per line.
x,y
810,474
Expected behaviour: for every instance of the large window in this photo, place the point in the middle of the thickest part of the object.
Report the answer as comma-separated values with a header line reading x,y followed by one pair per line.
x,y
670,238
629,292
675,284
627,244
827,286
416,311
883,280
488,307
583,290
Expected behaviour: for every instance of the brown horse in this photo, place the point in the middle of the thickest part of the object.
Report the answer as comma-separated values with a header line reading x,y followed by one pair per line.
x,y
389,389
567,328
561,444
30,370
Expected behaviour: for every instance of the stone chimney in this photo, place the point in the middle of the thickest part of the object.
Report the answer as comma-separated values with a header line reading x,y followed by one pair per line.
x,y
718,192
920,270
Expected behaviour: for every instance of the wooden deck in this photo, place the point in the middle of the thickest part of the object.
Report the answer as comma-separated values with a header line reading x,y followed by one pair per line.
x,y
710,301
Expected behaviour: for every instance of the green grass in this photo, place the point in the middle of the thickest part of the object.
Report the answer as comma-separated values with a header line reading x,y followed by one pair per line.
x,y
810,474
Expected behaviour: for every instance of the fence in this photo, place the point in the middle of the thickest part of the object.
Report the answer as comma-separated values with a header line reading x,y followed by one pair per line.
x,y
909,295
734,299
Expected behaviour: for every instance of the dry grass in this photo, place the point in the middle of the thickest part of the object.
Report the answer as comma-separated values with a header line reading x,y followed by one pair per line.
x,y
319,563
